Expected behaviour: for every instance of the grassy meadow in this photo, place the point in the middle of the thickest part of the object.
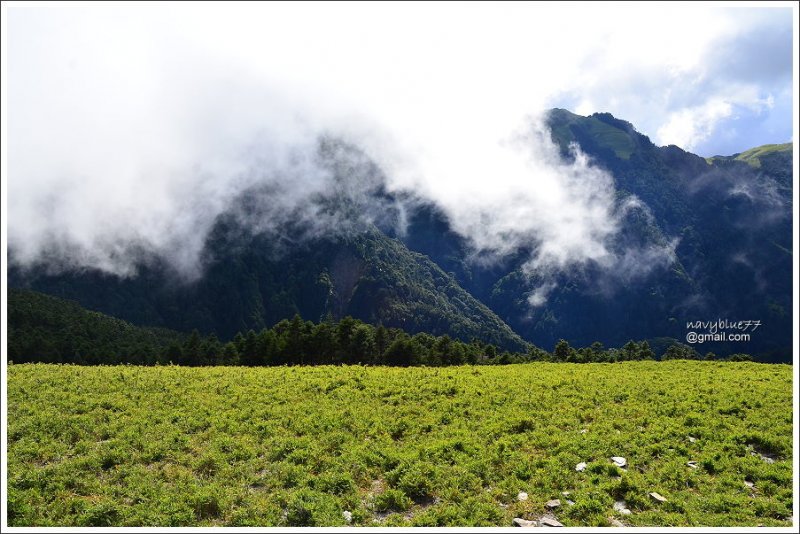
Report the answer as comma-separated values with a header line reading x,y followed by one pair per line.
x,y
454,446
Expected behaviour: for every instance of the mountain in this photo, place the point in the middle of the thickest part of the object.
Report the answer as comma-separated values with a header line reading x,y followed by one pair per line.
x,y
731,219
707,239
252,283
46,328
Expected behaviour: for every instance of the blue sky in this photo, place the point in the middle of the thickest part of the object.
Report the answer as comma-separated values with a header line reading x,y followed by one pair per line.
x,y
735,92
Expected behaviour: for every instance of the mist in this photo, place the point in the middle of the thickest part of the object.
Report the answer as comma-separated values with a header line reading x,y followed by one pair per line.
x,y
132,129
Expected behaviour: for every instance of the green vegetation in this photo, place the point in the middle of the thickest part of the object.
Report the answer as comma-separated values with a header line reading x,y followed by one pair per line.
x,y
254,283
294,446
46,329
754,156
568,127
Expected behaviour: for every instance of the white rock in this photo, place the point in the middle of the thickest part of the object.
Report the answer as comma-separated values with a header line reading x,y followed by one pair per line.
x,y
519,522
657,497
622,507
549,522
749,484
616,523
347,516
692,464
565,493
580,467
619,461
584,431
522,496
571,503
692,439
555,503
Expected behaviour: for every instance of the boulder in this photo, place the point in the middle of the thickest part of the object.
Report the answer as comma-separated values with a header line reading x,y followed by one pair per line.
x,y
549,522
519,522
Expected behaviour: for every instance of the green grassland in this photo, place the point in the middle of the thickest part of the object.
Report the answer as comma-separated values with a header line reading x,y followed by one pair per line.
x,y
605,135
754,156
298,446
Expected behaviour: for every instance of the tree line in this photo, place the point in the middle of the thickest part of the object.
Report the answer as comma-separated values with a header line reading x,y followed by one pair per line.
x,y
348,341
42,328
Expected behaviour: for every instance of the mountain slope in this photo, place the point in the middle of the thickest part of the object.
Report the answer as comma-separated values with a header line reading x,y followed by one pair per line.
x,y
732,222
253,283
46,328
712,239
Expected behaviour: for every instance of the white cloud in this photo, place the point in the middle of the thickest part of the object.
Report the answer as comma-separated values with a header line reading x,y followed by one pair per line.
x,y
131,127
690,126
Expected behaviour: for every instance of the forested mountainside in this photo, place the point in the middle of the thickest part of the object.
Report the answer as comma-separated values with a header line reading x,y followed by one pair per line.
x,y
719,229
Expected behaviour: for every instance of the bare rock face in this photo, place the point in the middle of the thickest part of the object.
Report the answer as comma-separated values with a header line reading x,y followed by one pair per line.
x,y
519,522
658,497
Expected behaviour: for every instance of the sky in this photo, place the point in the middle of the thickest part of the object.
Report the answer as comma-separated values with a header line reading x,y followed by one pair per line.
x,y
131,127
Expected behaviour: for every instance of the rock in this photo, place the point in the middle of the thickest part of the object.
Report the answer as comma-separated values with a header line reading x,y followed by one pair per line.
x,y
522,496
348,517
657,497
519,522
692,464
584,431
749,484
565,493
692,439
570,503
580,467
549,522
622,507
555,503
619,461
615,522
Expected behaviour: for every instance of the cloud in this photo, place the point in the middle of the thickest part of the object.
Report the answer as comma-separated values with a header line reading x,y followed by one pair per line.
x,y
721,85
690,126
132,128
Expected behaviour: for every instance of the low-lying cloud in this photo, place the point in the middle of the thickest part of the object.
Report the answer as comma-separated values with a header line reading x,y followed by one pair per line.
x,y
132,129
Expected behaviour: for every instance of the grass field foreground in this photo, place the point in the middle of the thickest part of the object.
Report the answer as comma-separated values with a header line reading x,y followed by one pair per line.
x,y
300,446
